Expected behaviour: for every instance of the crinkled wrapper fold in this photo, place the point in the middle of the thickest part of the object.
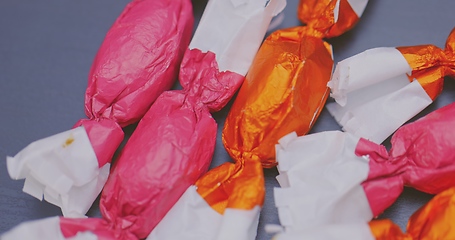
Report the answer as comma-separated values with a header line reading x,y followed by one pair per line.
x,y
431,221
378,90
336,178
136,62
173,143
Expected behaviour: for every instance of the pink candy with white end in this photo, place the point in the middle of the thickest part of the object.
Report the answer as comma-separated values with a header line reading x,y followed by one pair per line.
x,y
334,177
137,61
173,143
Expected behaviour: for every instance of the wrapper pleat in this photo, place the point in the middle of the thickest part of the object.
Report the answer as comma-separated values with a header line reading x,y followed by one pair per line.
x,y
335,178
136,62
380,89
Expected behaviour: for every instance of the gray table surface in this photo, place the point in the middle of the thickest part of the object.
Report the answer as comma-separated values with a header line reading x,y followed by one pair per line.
x,y
47,47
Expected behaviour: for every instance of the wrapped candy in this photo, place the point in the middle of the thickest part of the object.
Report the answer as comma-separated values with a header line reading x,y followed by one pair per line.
x,y
173,143
286,87
284,91
136,62
337,178
380,89
432,221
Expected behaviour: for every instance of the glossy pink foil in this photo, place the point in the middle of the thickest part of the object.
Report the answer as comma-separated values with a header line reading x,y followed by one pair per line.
x,y
422,156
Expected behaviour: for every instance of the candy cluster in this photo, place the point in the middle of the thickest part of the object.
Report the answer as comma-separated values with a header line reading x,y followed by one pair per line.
x,y
333,183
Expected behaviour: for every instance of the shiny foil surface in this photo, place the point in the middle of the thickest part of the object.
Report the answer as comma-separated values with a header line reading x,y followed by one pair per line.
x,y
286,87
285,90
174,142
225,192
432,221
431,64
238,186
320,16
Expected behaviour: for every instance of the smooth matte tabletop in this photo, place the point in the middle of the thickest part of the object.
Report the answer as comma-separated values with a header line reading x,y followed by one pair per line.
x,y
47,48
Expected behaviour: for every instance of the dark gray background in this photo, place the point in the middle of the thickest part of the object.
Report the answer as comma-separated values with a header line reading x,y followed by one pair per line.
x,y
47,47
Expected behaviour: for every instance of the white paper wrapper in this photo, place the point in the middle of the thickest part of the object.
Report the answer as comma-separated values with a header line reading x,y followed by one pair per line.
x,y
234,29
63,168
355,231
239,224
357,5
191,218
321,178
47,228
373,94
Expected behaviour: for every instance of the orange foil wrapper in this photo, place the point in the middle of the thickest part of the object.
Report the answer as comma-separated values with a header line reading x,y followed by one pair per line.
x,y
432,221
284,91
431,64
378,90
286,87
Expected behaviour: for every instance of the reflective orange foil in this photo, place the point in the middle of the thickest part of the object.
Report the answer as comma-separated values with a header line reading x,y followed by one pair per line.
x,y
387,230
284,91
431,64
318,14
239,185
433,221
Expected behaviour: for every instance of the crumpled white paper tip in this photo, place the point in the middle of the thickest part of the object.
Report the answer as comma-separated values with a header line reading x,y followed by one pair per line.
x,y
244,22
63,169
323,182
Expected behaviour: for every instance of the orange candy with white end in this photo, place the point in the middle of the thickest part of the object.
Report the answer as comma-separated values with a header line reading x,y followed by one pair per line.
x,y
284,91
286,87
425,61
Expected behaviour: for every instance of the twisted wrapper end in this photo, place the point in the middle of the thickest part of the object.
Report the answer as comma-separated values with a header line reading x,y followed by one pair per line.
x,y
320,178
63,169
192,211
215,206
373,94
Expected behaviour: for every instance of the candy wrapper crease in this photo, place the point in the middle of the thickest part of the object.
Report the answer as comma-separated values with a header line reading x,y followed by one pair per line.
x,y
136,62
230,194
378,90
350,180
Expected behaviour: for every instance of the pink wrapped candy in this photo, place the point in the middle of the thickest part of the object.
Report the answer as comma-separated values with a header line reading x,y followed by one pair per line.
x,y
335,177
173,143
137,61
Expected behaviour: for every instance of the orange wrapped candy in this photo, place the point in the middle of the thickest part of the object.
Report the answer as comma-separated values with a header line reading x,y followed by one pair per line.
x,y
286,87
431,64
432,221
284,91
378,90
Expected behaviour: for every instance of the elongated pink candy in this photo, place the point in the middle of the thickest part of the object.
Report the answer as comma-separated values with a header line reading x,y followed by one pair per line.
x,y
138,60
170,149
